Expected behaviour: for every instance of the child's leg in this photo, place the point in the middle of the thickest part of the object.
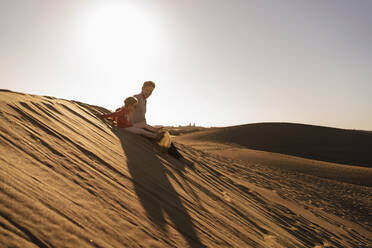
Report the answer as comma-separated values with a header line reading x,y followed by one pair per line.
x,y
142,131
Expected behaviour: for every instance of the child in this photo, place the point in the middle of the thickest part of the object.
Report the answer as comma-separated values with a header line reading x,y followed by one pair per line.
x,y
123,116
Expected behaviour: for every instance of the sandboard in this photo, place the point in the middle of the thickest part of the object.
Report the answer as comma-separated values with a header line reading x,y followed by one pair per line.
x,y
165,142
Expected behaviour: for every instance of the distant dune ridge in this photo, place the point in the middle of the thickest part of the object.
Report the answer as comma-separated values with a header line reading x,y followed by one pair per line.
x,y
295,147
350,147
68,179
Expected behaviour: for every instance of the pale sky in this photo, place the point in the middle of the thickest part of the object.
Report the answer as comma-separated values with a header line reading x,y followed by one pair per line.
x,y
215,62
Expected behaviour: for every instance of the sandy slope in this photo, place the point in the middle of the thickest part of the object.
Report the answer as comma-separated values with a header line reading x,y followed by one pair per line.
x,y
352,147
69,180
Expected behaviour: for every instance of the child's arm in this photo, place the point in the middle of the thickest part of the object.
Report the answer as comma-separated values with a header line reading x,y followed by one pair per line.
x,y
113,115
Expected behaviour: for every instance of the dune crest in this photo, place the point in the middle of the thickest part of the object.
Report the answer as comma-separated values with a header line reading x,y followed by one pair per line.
x,y
351,147
69,180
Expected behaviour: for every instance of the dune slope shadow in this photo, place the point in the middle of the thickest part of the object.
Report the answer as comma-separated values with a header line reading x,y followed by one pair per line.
x,y
350,147
154,190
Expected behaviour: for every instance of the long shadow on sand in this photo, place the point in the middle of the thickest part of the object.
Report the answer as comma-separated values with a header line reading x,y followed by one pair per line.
x,y
153,188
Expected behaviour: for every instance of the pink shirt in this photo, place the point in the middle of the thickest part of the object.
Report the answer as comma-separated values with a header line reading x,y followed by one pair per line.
x,y
122,117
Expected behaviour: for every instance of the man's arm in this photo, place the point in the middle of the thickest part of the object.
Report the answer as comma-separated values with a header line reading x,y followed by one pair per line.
x,y
140,110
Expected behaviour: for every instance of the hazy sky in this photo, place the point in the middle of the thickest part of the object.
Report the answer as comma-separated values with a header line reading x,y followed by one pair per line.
x,y
215,62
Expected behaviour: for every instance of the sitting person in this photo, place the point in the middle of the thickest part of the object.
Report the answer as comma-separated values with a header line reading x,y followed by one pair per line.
x,y
139,118
123,116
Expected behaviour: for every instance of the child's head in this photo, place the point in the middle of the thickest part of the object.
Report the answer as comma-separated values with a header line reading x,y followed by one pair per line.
x,y
130,102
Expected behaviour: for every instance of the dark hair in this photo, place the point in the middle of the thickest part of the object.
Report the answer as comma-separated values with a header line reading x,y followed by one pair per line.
x,y
148,84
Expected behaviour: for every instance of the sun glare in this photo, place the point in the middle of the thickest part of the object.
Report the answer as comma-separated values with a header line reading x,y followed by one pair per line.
x,y
119,37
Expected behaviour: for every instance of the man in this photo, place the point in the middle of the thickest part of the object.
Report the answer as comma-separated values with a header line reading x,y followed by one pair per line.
x,y
139,115
139,118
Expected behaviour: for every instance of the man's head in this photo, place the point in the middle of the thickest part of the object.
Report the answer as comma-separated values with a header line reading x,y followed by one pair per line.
x,y
147,88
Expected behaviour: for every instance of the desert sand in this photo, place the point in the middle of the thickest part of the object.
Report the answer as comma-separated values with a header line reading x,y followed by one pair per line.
x,y
68,179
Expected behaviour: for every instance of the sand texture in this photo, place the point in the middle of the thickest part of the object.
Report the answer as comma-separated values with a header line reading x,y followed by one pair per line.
x,y
68,179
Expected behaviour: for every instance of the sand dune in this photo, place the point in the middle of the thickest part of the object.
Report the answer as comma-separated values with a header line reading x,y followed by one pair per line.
x,y
350,147
69,180
242,142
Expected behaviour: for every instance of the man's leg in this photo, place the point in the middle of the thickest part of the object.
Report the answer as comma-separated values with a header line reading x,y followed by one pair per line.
x,y
142,131
172,150
146,126
175,153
